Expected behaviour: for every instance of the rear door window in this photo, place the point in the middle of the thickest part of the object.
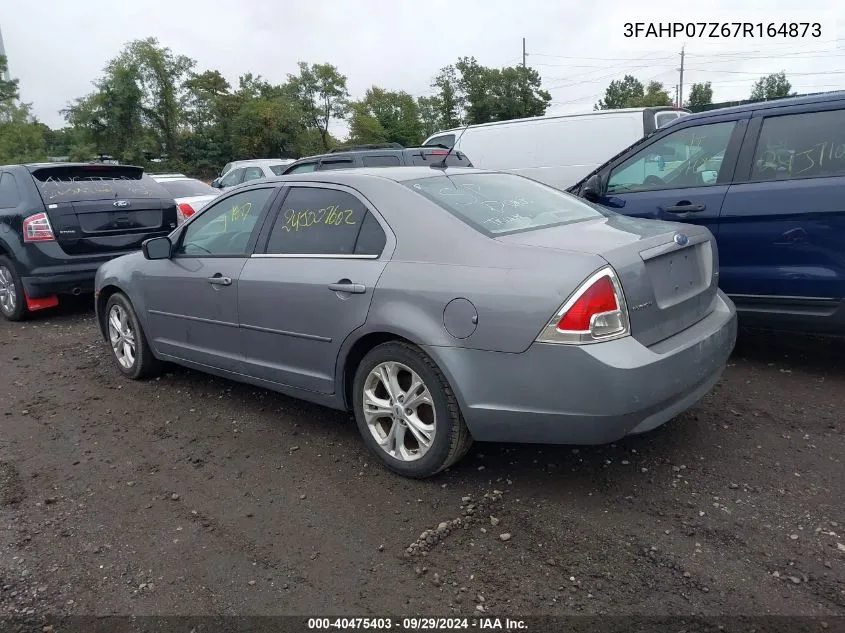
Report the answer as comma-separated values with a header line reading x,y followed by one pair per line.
x,y
321,221
95,182
381,161
9,195
302,168
807,145
345,163
253,173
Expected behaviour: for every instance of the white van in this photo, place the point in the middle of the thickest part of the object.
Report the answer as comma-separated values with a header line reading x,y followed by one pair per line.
x,y
558,150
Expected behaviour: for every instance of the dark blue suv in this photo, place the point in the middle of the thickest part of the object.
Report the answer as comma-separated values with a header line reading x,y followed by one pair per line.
x,y
768,179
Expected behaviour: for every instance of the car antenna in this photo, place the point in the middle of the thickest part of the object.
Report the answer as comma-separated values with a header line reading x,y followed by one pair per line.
x,y
442,163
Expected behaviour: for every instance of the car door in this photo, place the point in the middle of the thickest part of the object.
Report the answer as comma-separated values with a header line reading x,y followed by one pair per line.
x,y
680,176
191,298
310,284
782,244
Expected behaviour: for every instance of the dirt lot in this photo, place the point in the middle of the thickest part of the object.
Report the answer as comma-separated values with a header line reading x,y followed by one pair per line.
x,y
194,495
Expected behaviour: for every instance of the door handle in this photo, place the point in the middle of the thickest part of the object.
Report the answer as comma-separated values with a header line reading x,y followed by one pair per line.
x,y
684,207
344,285
219,280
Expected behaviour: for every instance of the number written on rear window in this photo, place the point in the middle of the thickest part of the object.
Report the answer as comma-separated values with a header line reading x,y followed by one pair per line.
x,y
806,145
316,221
225,227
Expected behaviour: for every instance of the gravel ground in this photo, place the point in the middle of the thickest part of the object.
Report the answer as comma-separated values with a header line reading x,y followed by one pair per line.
x,y
194,495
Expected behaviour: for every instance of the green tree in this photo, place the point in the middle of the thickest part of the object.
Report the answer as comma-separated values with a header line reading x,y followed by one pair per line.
x,y
774,86
449,102
469,93
384,116
629,92
322,94
655,95
21,135
429,116
622,94
700,95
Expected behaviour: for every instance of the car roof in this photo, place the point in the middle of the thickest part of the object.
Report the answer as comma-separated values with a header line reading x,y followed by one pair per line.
x,y
396,174
824,97
261,162
548,117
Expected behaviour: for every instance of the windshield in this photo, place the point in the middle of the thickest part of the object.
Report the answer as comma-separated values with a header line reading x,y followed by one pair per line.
x,y
187,188
497,203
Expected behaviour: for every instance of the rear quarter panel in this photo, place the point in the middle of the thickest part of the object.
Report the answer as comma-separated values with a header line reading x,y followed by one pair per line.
x,y
515,289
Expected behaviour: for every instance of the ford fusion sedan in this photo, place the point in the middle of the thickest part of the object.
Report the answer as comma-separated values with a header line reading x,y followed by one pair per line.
x,y
439,306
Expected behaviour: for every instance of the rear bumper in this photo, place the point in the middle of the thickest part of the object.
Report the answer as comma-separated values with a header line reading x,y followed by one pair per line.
x,y
45,270
76,282
591,394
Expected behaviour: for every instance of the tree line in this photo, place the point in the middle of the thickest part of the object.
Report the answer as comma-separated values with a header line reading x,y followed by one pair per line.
x,y
630,92
151,103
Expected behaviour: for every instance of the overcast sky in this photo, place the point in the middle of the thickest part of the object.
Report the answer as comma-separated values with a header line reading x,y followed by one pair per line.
x,y
56,48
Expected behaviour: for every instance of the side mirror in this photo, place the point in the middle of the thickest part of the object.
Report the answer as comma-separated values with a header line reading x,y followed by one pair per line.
x,y
157,248
592,189
216,182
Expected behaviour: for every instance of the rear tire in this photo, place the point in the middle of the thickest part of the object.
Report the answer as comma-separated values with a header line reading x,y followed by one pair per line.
x,y
127,341
12,296
415,427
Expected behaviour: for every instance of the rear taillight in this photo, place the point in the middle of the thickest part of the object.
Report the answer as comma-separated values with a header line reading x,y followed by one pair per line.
x,y
595,312
183,212
36,228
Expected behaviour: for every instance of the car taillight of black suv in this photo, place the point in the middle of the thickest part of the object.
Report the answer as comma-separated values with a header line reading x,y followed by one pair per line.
x,y
60,221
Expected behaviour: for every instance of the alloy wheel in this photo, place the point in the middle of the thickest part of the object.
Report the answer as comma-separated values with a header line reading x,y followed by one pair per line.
x,y
399,411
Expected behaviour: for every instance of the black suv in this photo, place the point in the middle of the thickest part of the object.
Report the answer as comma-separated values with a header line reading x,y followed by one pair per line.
x,y
378,155
60,221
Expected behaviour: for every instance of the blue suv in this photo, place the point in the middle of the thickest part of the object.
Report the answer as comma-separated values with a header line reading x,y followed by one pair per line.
x,y
768,180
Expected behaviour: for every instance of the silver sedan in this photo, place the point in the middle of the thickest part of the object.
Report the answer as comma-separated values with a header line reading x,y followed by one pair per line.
x,y
440,306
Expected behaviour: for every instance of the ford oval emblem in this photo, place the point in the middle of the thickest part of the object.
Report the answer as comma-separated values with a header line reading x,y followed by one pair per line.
x,y
681,239
121,203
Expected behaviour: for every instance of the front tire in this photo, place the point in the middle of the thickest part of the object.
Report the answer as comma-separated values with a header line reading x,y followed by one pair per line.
x,y
12,297
130,349
406,411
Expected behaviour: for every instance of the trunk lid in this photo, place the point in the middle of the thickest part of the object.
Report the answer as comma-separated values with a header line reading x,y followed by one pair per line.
x,y
98,209
669,285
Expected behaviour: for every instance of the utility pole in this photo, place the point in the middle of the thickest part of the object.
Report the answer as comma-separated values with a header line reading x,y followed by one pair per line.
x,y
676,96
524,54
681,81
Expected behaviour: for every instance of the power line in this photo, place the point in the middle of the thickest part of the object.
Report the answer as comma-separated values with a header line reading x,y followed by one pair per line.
x,y
758,73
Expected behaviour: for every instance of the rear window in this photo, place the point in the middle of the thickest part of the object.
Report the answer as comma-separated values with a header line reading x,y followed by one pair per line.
x,y
497,203
433,156
187,188
95,182
445,140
